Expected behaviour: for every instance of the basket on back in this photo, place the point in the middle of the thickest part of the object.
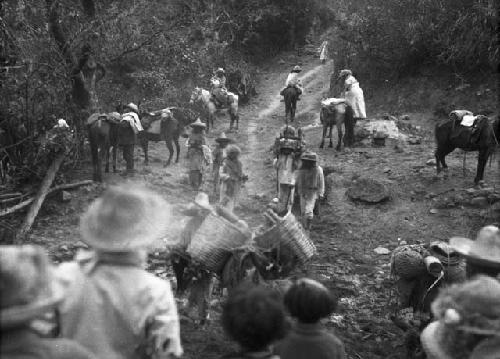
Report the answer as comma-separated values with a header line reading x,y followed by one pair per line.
x,y
213,241
288,234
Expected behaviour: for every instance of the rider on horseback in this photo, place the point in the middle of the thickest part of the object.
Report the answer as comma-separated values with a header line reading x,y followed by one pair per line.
x,y
218,87
293,81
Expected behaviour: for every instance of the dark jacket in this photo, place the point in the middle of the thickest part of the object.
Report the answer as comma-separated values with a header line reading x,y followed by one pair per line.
x,y
307,341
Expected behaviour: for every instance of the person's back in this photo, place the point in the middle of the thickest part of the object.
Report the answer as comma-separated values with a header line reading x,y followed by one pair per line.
x,y
110,305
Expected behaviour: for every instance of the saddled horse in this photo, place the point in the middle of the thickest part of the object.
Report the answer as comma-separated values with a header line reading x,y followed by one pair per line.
x,y
204,97
167,129
102,131
484,140
290,96
334,114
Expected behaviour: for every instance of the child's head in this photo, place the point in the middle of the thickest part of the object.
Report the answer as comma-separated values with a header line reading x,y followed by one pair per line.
x,y
254,317
309,301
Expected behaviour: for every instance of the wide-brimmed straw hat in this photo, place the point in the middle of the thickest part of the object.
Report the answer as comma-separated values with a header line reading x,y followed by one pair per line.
x,y
125,218
297,68
473,308
309,156
485,249
198,123
133,107
28,290
223,138
345,72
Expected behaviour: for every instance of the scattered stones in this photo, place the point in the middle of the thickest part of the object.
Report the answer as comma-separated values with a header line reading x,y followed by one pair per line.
x,y
405,118
470,190
431,162
387,170
368,190
281,62
415,140
433,211
382,250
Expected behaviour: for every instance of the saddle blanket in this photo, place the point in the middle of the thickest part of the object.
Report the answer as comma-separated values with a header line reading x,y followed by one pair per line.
x,y
133,120
332,101
468,120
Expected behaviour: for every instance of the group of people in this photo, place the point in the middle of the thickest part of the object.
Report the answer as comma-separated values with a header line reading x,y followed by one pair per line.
x,y
104,304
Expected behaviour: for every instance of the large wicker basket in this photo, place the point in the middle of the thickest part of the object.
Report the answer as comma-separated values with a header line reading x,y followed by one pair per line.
x,y
212,242
288,233
407,261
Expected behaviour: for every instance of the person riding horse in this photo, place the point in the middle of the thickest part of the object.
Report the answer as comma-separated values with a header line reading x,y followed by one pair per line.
x,y
218,87
293,81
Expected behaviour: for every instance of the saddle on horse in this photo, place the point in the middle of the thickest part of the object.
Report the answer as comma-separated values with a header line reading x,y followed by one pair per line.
x,y
221,98
466,127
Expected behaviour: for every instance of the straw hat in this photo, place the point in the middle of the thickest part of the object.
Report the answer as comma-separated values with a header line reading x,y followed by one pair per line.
x,y
220,70
125,218
233,150
309,156
345,72
166,113
198,123
485,249
472,308
133,107
27,288
115,116
297,68
223,138
61,123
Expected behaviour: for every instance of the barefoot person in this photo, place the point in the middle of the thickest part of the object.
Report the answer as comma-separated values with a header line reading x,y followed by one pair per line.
x,y
219,155
310,185
232,178
28,292
114,307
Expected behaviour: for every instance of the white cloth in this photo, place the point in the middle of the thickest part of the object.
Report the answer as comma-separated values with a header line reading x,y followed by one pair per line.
x,y
332,101
293,80
133,120
118,310
323,51
354,97
468,120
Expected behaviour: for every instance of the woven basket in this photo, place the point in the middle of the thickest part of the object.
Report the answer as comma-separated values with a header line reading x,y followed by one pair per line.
x,y
293,237
213,241
268,239
407,262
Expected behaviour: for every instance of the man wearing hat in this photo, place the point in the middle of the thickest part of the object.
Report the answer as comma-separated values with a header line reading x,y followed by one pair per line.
x,y
196,155
232,178
127,135
219,155
354,97
29,292
482,255
293,80
285,165
310,185
113,306
218,87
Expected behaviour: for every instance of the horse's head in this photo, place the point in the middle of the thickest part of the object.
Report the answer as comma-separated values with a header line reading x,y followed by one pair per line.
x,y
195,95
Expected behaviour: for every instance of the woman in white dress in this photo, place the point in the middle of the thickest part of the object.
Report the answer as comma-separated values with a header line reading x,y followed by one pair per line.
x,y
353,95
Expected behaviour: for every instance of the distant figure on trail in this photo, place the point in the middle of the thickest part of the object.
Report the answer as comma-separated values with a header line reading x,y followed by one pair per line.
x,y
232,178
218,87
293,80
219,155
310,185
114,307
354,97
197,144
254,317
309,301
29,292
127,136
323,52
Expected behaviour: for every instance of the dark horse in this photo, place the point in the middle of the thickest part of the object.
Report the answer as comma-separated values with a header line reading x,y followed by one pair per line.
x,y
165,129
334,115
102,130
484,139
290,95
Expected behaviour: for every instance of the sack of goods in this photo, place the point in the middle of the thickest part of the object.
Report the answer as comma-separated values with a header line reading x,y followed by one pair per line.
x,y
407,261
288,235
213,241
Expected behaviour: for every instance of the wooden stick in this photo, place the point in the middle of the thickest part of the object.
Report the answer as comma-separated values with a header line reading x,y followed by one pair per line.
x,y
54,189
10,195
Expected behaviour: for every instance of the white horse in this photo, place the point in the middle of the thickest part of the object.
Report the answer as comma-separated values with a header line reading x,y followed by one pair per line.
x,y
204,96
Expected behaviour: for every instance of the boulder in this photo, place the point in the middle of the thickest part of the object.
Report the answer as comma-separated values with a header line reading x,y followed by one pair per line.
x,y
431,162
479,202
368,190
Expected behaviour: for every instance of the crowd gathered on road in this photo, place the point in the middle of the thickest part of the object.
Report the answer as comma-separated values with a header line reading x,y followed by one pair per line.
x,y
104,304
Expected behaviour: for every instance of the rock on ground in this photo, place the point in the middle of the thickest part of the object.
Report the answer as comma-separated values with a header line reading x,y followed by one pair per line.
x,y
368,190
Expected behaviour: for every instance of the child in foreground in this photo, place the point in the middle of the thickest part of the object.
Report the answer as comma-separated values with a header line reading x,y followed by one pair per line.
x,y
308,301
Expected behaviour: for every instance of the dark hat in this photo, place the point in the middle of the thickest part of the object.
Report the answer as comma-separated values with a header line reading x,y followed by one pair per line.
x,y
223,138
309,156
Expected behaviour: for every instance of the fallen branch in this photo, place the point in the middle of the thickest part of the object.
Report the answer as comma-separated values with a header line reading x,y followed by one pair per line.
x,y
52,190
10,195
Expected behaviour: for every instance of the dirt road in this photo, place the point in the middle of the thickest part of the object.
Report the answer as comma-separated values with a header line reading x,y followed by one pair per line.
x,y
346,234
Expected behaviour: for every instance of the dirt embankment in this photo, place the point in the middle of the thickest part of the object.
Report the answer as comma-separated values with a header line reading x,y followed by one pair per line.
x,y
422,208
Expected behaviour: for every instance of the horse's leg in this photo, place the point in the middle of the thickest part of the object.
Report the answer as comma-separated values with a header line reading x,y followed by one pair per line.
x,y
106,155
177,147
484,153
94,151
340,135
115,146
145,145
330,135
322,144
168,142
